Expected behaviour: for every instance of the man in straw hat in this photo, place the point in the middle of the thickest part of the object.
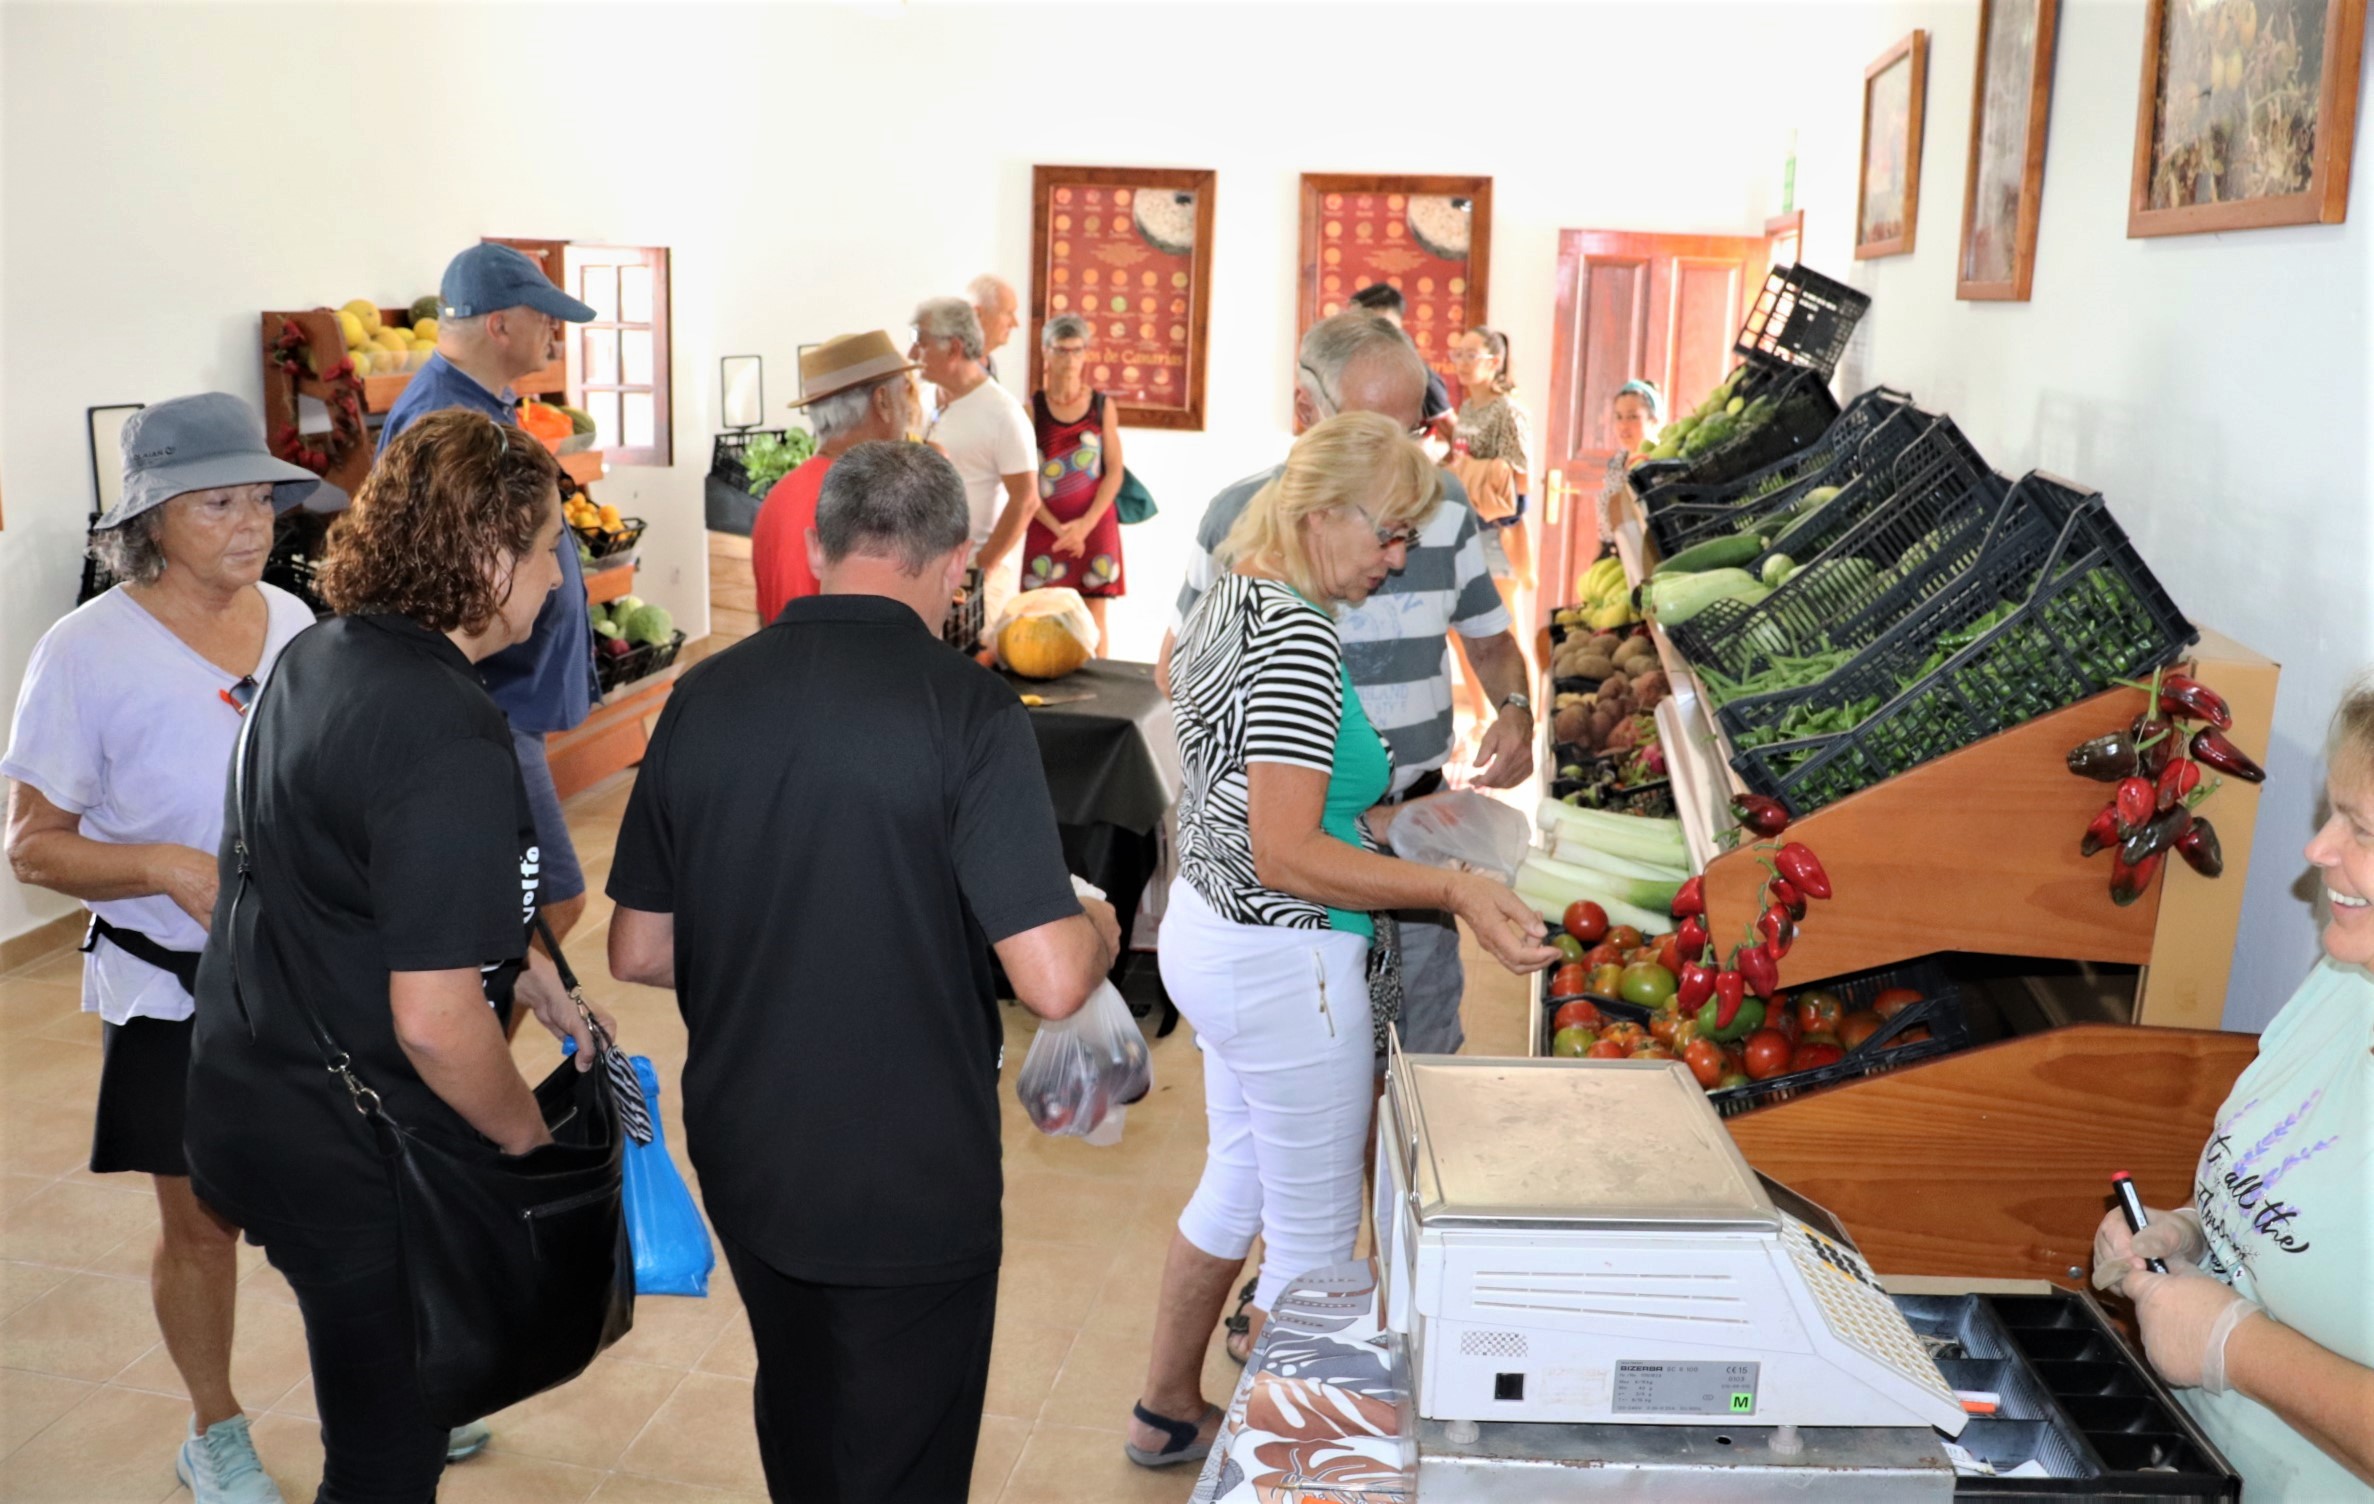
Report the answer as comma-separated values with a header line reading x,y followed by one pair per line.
x,y
855,388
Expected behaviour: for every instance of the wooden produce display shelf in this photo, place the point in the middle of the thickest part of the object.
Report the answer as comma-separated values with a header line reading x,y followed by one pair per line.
x,y
604,586
613,737
380,392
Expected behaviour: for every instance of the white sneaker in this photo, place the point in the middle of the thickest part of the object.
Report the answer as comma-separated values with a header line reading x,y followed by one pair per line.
x,y
221,1466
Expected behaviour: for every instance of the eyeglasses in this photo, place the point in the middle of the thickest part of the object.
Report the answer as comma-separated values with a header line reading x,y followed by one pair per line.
x,y
1402,535
240,695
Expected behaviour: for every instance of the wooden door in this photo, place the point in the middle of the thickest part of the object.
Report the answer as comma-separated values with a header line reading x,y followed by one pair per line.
x,y
1666,307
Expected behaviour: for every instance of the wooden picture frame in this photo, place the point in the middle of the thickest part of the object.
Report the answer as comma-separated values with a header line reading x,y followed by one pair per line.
x,y
1151,338
1895,107
2232,71
1376,237
2003,191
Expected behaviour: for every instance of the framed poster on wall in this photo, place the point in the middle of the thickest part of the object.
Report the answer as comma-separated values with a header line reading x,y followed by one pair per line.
x,y
1130,250
1888,196
2247,115
1428,237
2003,194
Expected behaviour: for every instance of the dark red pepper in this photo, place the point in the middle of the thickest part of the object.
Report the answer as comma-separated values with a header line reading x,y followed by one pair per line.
x,y
2107,758
2130,882
1689,941
1800,866
2212,748
1731,989
2178,779
2182,695
1696,985
2103,833
2156,741
2165,830
1783,892
1778,929
2200,850
1755,963
1690,899
1766,817
2136,796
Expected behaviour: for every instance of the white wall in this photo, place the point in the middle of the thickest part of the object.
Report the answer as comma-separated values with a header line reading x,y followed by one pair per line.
x,y
168,171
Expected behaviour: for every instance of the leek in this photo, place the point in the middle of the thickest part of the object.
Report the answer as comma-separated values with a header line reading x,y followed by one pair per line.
x,y
1657,843
1549,892
1601,865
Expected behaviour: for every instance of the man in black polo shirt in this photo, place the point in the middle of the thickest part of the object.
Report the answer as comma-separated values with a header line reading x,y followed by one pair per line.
x,y
837,820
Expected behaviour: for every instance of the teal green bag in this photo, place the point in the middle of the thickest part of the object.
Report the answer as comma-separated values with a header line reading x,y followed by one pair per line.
x,y
1134,502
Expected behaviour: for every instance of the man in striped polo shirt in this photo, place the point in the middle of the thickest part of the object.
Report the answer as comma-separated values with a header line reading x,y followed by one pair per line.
x,y
1395,644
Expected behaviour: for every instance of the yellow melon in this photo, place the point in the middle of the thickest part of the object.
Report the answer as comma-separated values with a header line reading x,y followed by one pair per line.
x,y
1040,647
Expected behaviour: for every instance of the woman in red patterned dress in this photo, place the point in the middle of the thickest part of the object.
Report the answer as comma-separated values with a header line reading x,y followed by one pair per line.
x,y
1075,536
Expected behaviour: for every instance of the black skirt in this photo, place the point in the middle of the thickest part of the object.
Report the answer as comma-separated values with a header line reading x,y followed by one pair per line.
x,y
144,1083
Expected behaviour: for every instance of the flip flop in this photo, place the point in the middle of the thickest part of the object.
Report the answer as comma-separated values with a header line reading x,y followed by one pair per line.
x,y
1238,1324
1182,1446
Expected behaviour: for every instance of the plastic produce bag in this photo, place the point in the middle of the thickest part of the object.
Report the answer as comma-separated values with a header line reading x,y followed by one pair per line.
x,y
673,1255
1055,603
1462,829
1083,1071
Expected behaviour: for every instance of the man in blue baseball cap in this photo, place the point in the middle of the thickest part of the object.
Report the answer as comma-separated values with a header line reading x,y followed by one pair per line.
x,y
501,320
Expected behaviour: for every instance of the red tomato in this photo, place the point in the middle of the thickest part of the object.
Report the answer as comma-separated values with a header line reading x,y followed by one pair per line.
x,y
1856,1029
1731,1079
1578,1014
1584,920
1767,1054
1819,1012
1607,979
1630,1035
1624,937
1662,1025
1814,1053
1606,1049
1785,1020
1603,954
1894,1001
1705,1059
1648,953
1653,1051
1569,980
1669,953
1685,1029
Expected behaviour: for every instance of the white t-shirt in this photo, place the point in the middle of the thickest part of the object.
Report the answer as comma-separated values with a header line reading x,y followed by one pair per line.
x,y
987,435
121,722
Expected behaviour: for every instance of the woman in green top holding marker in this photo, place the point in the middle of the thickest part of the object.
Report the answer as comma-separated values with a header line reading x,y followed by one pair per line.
x,y
1265,943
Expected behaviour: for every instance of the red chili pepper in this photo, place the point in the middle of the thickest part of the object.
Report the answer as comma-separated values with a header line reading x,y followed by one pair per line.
x,y
1799,865
2130,883
1690,899
1731,989
2165,830
2212,748
2136,796
1762,972
1778,930
1783,892
2178,779
2106,758
1766,817
2164,740
1689,941
2103,832
2200,849
1696,986
2182,695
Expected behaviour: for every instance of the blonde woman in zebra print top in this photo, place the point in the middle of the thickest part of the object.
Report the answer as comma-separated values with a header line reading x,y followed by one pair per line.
x,y
1265,941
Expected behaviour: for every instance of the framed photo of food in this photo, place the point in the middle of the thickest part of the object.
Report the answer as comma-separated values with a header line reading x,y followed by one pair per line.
x,y
1888,196
1130,250
2003,194
2247,114
1428,238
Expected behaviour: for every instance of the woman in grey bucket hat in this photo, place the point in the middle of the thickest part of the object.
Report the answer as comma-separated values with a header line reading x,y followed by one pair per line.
x,y
116,764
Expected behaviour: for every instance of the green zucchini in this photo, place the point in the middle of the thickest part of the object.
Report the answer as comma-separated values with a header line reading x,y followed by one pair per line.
x,y
1726,552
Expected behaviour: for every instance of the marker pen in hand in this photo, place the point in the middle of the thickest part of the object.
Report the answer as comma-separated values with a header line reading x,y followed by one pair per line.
x,y
2123,1186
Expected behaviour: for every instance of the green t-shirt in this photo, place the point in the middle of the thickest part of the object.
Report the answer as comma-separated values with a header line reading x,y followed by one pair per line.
x,y
1362,772
2285,1190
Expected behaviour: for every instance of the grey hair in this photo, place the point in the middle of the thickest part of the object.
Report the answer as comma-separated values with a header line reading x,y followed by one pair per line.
x,y
987,285
898,500
133,550
1064,326
1334,344
950,318
830,417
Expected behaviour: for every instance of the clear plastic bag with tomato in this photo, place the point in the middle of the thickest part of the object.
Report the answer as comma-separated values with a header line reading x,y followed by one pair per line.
x,y
1082,1072
1461,829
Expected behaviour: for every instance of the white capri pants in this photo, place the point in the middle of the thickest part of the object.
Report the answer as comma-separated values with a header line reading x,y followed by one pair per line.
x,y
1281,1016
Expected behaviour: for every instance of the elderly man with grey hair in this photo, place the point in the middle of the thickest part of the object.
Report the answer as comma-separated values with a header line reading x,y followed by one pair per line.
x,y
998,308
864,1242
856,388
985,432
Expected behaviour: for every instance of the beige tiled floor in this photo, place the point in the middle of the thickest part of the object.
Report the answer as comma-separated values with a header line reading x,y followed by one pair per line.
x,y
91,1408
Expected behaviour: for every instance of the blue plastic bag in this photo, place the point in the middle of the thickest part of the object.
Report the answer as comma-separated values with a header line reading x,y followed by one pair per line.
x,y
673,1255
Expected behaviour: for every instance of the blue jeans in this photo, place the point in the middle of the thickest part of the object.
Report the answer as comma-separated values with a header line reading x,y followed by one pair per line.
x,y
378,1444
1432,983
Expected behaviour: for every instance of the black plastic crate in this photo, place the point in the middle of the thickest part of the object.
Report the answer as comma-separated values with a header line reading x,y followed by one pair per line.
x,y
1870,432
1804,411
1940,1011
726,499
2028,630
613,670
967,616
611,549
1802,318
1652,799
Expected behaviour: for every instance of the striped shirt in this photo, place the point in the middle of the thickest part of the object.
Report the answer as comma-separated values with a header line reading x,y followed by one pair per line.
x,y
1394,643
1257,676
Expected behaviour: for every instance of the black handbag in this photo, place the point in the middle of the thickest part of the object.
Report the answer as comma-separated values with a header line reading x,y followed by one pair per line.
x,y
519,1268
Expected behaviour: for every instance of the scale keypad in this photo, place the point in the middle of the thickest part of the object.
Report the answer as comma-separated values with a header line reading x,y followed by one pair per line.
x,y
1858,1310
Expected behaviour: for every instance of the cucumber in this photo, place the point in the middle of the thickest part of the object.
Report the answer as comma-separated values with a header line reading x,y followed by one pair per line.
x,y
1726,552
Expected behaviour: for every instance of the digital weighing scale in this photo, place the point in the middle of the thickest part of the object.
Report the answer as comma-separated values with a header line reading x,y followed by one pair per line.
x,y
1576,1256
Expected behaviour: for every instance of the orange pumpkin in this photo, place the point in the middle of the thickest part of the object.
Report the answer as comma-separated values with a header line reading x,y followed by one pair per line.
x,y
1040,647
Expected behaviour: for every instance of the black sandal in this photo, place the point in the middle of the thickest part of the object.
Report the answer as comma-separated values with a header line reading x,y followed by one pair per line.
x,y
1238,1324
1182,1446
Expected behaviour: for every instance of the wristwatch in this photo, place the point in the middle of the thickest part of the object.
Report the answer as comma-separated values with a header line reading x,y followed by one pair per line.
x,y
1520,701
